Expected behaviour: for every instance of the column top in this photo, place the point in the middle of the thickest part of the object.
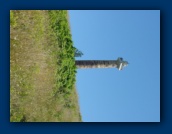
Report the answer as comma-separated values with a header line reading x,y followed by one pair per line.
x,y
121,63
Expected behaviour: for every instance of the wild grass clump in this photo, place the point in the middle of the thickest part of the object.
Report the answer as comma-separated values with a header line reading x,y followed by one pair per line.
x,y
13,19
67,68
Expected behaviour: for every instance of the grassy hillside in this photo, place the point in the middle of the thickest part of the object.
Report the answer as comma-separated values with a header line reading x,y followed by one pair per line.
x,y
42,68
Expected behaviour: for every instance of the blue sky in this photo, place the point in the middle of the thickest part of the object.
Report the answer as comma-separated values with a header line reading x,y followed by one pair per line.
x,y
110,95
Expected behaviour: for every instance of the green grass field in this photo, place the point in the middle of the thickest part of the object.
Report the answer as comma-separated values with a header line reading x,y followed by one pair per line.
x,y
42,67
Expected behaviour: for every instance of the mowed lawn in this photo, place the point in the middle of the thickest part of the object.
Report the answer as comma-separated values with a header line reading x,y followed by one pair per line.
x,y
42,68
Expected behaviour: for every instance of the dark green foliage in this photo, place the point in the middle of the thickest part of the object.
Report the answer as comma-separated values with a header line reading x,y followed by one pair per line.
x,y
67,68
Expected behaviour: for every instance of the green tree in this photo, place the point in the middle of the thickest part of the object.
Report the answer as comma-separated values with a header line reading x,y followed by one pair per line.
x,y
78,53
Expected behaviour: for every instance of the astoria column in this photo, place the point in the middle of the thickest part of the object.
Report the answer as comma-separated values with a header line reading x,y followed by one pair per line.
x,y
119,63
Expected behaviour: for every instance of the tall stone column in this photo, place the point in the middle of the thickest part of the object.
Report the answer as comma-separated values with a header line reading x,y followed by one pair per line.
x,y
119,63
96,63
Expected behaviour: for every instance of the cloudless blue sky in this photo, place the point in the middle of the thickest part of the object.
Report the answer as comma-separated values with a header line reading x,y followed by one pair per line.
x,y
110,95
